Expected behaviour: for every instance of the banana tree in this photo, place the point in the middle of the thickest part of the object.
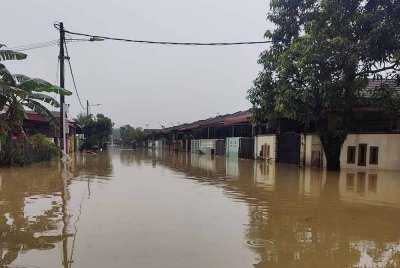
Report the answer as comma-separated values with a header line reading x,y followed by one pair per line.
x,y
18,93
10,54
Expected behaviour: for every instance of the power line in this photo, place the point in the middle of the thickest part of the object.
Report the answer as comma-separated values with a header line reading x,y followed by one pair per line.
x,y
35,45
44,44
170,43
72,75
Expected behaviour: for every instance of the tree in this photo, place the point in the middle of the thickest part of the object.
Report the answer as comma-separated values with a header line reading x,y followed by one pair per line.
x,y
82,119
322,56
18,93
97,131
130,135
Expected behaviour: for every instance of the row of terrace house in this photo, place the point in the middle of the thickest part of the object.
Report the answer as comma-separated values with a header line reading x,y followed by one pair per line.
x,y
373,141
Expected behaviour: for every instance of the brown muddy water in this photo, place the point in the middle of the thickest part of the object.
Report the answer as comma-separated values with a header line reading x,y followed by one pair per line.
x,y
156,209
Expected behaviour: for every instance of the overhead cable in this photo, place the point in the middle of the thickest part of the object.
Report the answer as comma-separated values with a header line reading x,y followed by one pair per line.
x,y
168,42
44,44
72,75
35,45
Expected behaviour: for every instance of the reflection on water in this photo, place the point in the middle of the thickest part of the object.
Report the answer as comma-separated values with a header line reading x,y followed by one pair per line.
x,y
33,206
308,218
145,209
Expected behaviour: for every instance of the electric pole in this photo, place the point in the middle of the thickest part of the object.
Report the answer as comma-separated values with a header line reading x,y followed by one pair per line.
x,y
87,107
61,57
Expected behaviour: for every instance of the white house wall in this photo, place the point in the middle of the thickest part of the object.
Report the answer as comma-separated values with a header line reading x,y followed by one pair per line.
x,y
266,139
388,152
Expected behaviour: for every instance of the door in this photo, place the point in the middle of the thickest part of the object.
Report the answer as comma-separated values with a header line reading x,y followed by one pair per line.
x,y
289,148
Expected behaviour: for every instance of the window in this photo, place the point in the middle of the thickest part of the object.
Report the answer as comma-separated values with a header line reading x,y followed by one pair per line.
x,y
351,154
373,155
362,154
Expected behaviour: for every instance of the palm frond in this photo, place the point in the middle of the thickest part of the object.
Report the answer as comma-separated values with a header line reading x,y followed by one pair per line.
x,y
45,98
11,55
2,45
40,109
3,102
6,75
7,89
40,85
20,78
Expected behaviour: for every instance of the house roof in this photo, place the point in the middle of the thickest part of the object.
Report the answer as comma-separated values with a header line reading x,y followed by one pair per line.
x,y
227,119
190,126
218,120
33,116
148,131
240,117
374,85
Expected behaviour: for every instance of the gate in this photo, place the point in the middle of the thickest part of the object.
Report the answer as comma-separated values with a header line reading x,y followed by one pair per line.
x,y
289,148
219,147
246,148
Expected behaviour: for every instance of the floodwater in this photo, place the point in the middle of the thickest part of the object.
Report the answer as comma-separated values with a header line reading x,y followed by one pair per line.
x,y
157,209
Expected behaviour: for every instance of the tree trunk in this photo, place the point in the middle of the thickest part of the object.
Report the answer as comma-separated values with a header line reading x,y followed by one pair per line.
x,y
332,142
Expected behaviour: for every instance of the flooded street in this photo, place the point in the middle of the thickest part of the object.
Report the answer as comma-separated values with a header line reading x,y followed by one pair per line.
x,y
157,209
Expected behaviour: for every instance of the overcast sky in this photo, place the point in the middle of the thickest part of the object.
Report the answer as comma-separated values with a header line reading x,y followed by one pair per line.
x,y
145,84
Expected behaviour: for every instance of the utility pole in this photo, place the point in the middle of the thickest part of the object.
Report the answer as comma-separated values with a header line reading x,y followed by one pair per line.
x,y
61,57
87,107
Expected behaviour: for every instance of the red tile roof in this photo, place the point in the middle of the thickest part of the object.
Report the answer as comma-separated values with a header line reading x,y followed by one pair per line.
x,y
32,116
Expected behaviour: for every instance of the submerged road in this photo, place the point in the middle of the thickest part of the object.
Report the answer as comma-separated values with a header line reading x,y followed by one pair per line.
x,y
156,209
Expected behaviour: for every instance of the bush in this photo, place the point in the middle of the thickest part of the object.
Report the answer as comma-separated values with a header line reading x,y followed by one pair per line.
x,y
24,152
42,146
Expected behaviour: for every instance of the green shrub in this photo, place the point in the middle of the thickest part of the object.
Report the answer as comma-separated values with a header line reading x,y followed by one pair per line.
x,y
25,152
43,146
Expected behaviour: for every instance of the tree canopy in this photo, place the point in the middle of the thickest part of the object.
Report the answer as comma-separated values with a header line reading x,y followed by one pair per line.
x,y
97,130
323,54
130,135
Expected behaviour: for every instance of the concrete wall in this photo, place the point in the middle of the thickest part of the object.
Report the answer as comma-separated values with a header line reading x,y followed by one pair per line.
x,y
388,154
232,147
266,139
311,143
206,144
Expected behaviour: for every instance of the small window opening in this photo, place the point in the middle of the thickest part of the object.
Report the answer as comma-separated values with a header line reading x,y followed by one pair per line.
x,y
373,155
351,154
